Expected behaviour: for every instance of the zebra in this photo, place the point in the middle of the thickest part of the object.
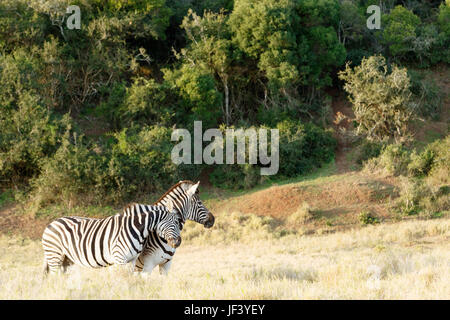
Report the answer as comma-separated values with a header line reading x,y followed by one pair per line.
x,y
117,239
185,197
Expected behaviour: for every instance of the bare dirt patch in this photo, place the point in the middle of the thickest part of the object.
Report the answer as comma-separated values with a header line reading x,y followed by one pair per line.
x,y
336,202
13,222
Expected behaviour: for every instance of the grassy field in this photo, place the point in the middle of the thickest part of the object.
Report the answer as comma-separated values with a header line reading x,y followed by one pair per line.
x,y
405,260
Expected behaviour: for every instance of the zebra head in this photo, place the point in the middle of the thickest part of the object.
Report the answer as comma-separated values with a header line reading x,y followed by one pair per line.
x,y
168,227
185,197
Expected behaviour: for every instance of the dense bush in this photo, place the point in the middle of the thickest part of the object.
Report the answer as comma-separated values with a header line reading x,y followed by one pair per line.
x,y
366,217
399,30
426,184
302,147
381,99
72,175
393,160
426,95
145,102
366,150
133,163
28,134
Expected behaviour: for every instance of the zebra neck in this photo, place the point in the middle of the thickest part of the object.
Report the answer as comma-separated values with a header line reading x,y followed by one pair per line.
x,y
181,207
151,219
143,218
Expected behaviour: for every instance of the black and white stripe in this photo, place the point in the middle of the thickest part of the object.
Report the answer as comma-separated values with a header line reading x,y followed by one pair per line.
x,y
118,239
184,196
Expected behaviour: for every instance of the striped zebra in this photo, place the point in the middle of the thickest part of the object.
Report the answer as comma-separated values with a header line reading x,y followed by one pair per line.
x,y
117,239
185,197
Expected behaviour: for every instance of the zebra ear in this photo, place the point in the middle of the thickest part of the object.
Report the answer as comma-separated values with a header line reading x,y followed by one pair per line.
x,y
191,191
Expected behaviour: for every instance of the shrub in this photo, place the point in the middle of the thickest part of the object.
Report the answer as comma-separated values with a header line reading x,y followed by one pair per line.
x,y
400,30
426,95
367,150
417,196
421,163
394,160
28,133
380,99
367,217
303,214
441,51
132,164
439,174
236,176
139,162
198,93
71,176
302,147
145,102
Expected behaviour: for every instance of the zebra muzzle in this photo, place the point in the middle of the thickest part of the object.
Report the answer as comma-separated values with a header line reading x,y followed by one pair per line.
x,y
210,222
175,242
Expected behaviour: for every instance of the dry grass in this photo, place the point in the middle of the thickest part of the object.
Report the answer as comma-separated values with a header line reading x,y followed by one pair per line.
x,y
406,260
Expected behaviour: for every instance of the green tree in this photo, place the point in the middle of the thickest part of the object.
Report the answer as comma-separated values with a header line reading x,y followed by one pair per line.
x,y
400,30
210,49
294,42
380,98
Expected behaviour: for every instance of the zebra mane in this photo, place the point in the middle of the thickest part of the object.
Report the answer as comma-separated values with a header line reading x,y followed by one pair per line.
x,y
128,206
173,187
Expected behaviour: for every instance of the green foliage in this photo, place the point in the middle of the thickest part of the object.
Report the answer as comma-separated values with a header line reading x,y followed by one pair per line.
x,y
236,176
352,22
17,75
426,95
425,182
199,93
274,33
393,159
6,197
442,49
20,25
443,18
133,163
139,162
380,99
400,30
302,147
28,133
138,18
367,150
145,102
421,164
367,217
439,173
70,176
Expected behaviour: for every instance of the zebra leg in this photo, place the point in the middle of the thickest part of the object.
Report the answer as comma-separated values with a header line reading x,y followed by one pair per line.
x,y
139,263
53,262
164,267
66,264
145,264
